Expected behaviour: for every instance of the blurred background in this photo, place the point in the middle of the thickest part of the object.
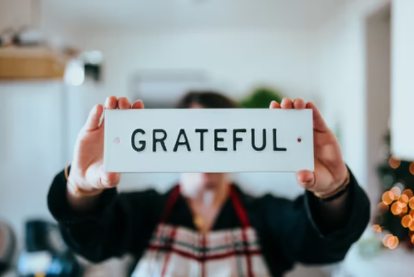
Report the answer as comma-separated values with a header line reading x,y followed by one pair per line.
x,y
353,58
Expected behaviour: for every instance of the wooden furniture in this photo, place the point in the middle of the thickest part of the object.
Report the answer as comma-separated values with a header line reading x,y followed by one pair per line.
x,y
31,63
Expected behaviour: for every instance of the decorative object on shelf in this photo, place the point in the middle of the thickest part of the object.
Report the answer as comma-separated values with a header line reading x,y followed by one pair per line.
x,y
45,253
395,212
261,98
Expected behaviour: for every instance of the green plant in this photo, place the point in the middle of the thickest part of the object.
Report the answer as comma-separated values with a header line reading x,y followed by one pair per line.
x,y
261,98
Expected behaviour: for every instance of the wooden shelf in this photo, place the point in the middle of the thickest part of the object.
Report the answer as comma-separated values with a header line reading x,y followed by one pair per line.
x,y
28,63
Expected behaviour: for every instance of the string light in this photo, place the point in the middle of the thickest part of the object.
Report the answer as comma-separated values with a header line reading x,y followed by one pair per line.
x,y
411,226
394,243
386,240
412,168
396,191
394,162
409,193
400,204
396,209
406,221
390,241
388,197
376,228
411,203
403,198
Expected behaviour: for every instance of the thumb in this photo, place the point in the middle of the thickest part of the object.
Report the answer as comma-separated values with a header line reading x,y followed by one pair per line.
x,y
306,179
109,179
94,117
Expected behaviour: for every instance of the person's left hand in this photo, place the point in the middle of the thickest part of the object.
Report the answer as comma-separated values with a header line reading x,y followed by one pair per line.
x,y
330,169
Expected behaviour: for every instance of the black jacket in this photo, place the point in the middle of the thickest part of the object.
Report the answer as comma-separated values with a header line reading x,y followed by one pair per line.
x,y
288,230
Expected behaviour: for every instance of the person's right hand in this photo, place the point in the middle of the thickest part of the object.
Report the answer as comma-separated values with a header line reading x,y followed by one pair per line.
x,y
87,169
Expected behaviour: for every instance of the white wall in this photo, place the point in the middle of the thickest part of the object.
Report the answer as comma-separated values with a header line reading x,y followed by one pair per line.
x,y
378,95
31,150
237,60
342,84
16,14
402,79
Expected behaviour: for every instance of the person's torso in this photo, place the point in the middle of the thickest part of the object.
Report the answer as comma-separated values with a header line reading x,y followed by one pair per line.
x,y
177,248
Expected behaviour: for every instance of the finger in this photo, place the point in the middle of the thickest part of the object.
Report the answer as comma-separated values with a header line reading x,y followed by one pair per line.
x,y
138,104
123,103
305,178
92,123
299,104
286,103
318,122
109,179
274,105
110,103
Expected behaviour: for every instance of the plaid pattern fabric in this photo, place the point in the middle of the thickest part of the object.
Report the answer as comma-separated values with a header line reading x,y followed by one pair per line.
x,y
176,251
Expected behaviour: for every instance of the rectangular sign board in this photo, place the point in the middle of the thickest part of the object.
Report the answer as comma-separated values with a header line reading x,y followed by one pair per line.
x,y
208,140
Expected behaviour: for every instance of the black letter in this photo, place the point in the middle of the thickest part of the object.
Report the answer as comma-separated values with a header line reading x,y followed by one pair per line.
x,y
155,139
217,139
275,148
264,141
235,138
201,131
178,143
142,142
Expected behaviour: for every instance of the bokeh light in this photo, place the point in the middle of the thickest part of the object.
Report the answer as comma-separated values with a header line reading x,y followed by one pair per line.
x,y
395,243
403,198
411,203
412,168
388,197
394,162
396,209
401,204
411,226
396,191
406,221
386,240
409,193
390,241
376,228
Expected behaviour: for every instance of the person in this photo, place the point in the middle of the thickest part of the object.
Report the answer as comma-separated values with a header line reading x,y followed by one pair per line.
x,y
206,225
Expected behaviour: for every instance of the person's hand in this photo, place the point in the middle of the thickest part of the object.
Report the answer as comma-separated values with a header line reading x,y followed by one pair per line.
x,y
87,169
330,169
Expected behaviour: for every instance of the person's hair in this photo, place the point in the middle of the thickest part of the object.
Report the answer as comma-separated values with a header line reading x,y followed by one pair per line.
x,y
206,99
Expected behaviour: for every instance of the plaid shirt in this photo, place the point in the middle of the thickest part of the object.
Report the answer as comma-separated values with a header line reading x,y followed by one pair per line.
x,y
178,251
268,237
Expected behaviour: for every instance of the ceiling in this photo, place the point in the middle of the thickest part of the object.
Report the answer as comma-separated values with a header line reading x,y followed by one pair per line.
x,y
99,15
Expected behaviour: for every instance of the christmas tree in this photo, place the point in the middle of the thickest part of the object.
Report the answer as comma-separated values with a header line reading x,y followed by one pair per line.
x,y
396,209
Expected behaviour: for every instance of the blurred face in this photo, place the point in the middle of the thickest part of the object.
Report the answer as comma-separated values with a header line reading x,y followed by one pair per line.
x,y
193,183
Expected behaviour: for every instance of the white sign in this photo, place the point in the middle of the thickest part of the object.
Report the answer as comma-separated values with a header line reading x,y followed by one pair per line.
x,y
208,140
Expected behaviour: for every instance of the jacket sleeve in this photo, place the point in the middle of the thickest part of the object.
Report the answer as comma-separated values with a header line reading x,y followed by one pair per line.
x,y
293,226
121,223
